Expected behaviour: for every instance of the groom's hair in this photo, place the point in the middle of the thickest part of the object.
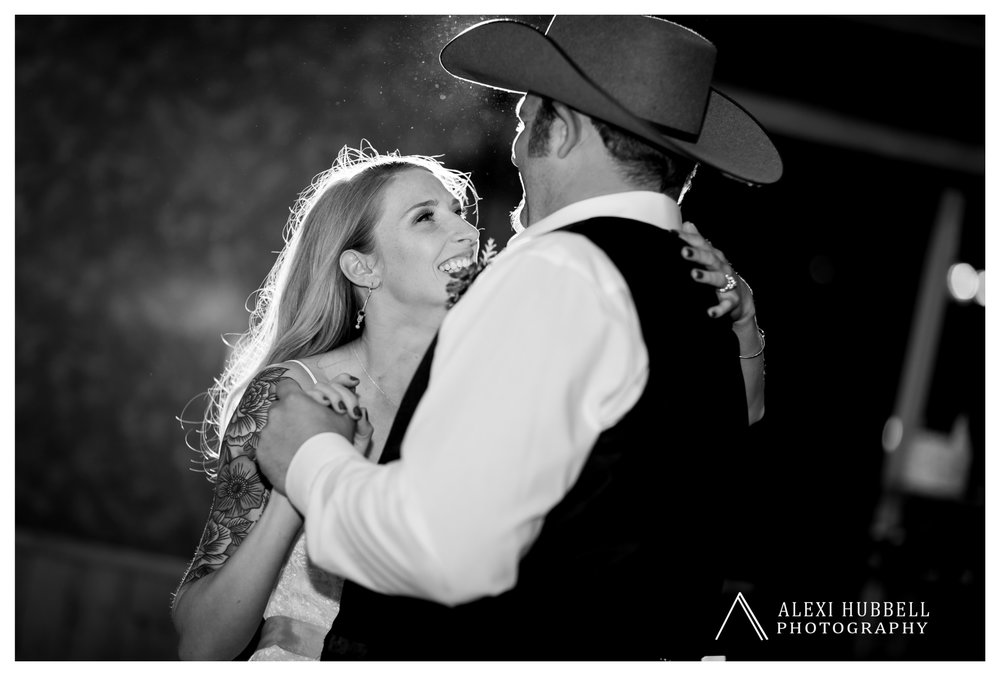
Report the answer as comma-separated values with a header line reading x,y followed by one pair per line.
x,y
640,162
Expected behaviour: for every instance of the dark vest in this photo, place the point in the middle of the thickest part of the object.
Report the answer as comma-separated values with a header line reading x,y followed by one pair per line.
x,y
626,566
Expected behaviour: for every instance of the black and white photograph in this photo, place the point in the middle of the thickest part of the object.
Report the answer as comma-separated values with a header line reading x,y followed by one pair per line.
x,y
570,337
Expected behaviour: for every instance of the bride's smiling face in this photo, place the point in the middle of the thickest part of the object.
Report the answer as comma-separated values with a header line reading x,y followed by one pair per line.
x,y
421,235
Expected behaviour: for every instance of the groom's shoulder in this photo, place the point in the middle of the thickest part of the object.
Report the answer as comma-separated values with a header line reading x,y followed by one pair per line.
x,y
562,247
600,240
572,256
620,230
622,240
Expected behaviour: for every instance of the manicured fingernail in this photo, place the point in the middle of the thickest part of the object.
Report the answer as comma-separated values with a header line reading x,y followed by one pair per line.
x,y
698,275
340,407
687,252
354,378
357,412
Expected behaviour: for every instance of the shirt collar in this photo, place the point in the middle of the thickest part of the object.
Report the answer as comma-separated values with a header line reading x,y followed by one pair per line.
x,y
646,206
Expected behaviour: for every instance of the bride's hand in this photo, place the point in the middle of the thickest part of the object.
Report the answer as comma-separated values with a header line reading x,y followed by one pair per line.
x,y
338,394
737,302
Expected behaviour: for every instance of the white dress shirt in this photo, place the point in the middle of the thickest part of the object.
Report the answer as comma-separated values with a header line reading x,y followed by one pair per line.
x,y
542,354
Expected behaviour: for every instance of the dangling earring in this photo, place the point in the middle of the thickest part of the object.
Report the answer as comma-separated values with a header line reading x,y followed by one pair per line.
x,y
361,313
687,184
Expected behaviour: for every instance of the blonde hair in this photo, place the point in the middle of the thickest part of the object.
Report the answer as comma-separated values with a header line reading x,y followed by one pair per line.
x,y
306,305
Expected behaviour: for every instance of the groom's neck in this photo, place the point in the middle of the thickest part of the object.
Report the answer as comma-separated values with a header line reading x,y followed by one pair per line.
x,y
572,180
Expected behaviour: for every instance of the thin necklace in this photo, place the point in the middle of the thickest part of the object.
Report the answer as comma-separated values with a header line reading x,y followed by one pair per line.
x,y
370,378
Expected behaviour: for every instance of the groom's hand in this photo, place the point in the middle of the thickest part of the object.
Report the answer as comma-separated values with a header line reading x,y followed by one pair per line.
x,y
292,419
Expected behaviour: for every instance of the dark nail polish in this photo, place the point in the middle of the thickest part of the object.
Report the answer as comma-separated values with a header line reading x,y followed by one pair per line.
x,y
357,412
340,407
687,252
698,275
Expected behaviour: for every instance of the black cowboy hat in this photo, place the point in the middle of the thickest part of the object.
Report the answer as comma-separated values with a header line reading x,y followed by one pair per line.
x,y
645,75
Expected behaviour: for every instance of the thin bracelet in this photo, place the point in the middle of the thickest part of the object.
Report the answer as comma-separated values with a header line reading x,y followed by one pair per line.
x,y
762,344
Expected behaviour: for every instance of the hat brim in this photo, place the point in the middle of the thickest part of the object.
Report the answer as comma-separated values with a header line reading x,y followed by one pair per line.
x,y
512,56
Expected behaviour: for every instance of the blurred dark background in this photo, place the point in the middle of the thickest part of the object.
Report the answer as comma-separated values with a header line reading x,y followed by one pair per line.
x,y
157,157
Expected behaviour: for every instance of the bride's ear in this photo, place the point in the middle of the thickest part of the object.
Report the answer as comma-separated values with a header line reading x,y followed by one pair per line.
x,y
359,268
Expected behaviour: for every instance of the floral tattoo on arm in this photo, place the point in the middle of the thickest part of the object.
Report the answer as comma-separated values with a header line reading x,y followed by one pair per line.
x,y
241,492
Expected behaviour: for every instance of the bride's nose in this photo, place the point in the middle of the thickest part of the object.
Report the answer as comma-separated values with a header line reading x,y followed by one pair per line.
x,y
465,232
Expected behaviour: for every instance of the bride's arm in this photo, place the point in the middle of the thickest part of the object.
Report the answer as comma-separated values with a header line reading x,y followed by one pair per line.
x,y
222,597
738,305
751,360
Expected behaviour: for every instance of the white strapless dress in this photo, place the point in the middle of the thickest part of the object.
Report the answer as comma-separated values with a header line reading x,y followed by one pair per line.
x,y
300,611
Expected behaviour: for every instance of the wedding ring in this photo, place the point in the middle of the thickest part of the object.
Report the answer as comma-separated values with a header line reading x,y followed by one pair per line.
x,y
730,284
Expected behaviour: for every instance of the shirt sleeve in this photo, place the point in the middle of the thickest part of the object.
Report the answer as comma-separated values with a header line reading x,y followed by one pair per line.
x,y
537,359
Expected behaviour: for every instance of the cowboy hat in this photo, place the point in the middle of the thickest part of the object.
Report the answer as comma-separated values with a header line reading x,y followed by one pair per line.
x,y
648,76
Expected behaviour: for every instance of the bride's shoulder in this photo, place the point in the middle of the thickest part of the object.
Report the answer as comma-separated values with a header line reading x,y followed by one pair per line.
x,y
320,367
300,371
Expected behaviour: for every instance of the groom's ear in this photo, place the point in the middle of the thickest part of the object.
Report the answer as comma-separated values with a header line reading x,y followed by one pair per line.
x,y
567,128
359,268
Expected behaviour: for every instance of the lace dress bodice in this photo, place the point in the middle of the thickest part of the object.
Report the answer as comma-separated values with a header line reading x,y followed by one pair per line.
x,y
301,609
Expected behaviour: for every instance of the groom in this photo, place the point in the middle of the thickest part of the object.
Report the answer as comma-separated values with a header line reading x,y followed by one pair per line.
x,y
552,477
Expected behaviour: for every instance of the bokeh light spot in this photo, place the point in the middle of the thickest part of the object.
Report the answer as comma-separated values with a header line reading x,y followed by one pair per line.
x,y
892,434
963,282
821,269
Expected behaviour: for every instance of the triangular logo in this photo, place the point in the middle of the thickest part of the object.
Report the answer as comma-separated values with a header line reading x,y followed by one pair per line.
x,y
750,615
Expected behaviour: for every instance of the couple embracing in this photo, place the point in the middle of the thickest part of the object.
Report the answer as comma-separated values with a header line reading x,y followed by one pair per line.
x,y
534,473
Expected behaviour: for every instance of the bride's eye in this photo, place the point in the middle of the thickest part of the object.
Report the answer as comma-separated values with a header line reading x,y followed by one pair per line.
x,y
424,216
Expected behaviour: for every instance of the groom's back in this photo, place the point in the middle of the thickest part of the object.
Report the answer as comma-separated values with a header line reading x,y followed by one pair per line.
x,y
625,566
